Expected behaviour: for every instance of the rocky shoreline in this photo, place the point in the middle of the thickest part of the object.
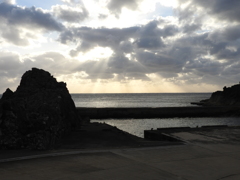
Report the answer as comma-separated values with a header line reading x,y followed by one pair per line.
x,y
40,115
230,96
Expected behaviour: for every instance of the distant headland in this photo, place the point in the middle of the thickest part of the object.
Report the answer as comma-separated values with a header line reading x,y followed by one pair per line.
x,y
230,96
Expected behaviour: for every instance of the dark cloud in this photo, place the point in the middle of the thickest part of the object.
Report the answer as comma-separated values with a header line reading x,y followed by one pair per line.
x,y
150,42
190,28
205,67
156,62
225,43
70,14
126,46
28,17
102,16
222,9
169,30
229,33
232,71
88,38
15,20
149,36
225,9
115,6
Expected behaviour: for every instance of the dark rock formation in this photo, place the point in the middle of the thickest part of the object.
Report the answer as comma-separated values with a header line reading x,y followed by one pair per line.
x,y
37,114
228,97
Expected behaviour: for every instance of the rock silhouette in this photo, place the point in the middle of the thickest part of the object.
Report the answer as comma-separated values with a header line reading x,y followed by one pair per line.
x,y
228,97
38,114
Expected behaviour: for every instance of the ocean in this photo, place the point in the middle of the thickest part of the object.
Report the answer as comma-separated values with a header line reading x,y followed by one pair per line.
x,y
138,99
137,126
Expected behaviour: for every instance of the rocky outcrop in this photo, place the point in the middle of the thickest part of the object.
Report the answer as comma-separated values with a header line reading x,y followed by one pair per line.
x,y
37,114
228,97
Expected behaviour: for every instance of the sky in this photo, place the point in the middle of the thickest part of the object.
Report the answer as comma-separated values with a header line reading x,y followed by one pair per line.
x,y
127,46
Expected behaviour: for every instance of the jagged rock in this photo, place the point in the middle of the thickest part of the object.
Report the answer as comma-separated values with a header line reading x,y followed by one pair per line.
x,y
7,94
37,114
228,97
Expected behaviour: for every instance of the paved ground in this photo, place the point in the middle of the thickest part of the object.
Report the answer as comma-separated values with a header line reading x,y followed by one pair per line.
x,y
203,157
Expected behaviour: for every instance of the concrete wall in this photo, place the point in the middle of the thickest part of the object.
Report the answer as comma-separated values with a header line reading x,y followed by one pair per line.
x,y
163,112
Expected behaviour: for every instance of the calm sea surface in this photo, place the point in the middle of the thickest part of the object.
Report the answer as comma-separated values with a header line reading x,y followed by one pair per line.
x,y
138,99
137,126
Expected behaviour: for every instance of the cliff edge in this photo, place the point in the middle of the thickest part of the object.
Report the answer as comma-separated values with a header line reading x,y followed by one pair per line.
x,y
230,96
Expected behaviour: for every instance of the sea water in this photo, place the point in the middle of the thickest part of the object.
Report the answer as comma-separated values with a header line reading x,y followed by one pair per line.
x,y
137,126
138,99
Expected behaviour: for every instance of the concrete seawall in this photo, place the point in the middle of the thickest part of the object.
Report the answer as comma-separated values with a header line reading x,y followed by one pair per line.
x,y
161,112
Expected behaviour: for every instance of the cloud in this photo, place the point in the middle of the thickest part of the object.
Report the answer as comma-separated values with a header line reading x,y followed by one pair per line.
x,y
72,2
19,24
200,44
160,63
88,38
190,28
8,1
148,36
14,35
9,63
115,6
102,16
70,14
222,9
28,17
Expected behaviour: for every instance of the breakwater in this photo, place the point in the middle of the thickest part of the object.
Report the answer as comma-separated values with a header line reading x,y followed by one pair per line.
x,y
161,112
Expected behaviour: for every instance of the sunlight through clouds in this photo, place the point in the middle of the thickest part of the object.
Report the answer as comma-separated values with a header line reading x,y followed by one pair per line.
x,y
96,54
123,46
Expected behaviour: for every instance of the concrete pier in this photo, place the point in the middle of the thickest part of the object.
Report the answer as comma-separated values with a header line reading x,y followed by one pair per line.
x,y
160,112
165,134
209,155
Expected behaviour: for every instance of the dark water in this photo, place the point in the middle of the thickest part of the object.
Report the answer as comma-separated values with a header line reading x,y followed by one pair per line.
x,y
138,100
137,126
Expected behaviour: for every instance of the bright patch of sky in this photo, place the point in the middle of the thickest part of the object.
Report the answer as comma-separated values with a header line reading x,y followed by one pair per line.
x,y
44,4
161,45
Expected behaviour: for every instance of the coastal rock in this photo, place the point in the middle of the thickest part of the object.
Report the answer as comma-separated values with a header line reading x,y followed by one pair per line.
x,y
228,97
37,114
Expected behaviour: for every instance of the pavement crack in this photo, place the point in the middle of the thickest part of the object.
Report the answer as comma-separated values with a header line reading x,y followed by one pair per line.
x,y
227,176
